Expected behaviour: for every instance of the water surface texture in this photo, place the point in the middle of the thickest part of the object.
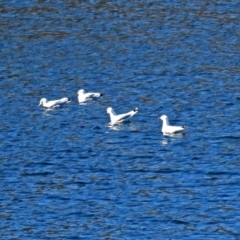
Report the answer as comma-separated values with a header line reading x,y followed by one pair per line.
x,y
65,174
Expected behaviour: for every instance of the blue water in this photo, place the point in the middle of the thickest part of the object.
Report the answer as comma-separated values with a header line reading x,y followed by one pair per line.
x,y
65,174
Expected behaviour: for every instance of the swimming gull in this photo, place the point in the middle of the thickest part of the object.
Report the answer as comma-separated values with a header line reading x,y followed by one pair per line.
x,y
83,96
121,117
53,103
167,128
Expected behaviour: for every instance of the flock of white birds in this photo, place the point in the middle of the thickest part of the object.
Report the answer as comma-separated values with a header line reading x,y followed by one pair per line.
x,y
167,129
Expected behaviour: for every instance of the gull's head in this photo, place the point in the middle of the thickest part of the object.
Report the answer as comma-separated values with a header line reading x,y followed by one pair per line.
x,y
42,101
163,117
109,110
81,91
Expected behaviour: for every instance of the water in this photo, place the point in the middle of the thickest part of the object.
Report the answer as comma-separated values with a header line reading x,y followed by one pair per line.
x,y
65,174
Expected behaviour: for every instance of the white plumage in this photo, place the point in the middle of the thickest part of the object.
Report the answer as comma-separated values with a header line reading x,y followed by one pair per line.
x,y
167,128
121,117
53,103
83,96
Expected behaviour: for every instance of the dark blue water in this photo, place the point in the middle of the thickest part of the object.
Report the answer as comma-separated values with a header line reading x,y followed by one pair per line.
x,y
65,174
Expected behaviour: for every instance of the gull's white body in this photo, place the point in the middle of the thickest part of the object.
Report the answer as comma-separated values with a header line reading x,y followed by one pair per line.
x,y
121,117
83,96
167,128
53,103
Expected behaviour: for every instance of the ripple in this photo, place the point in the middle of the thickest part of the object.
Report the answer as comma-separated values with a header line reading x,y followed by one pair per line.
x,y
72,176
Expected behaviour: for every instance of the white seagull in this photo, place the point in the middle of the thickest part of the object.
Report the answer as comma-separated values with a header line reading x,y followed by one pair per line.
x,y
83,96
121,117
167,129
53,103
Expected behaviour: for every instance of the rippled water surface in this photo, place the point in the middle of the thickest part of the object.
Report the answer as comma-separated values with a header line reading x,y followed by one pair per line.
x,y
65,174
